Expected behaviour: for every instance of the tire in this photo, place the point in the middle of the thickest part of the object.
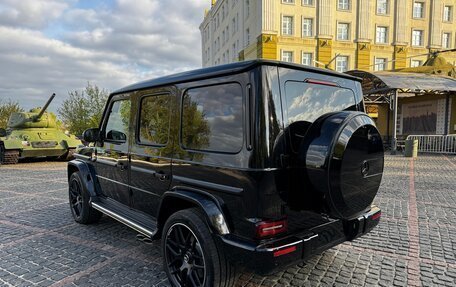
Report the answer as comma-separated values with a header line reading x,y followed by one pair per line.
x,y
191,256
342,160
79,201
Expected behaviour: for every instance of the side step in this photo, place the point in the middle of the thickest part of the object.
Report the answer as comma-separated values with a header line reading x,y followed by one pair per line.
x,y
138,221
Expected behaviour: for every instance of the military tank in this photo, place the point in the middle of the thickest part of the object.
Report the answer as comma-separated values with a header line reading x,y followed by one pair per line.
x,y
35,134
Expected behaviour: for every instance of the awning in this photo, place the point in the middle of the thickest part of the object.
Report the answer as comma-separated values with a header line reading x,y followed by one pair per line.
x,y
382,82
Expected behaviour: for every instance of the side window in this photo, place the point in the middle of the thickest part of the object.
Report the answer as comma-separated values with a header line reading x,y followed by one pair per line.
x,y
117,126
212,118
154,120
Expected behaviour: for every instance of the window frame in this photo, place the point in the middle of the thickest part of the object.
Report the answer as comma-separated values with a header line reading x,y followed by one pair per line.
x,y
311,58
312,3
138,120
291,26
341,8
286,51
450,15
348,31
384,63
421,39
386,34
387,8
288,2
449,39
423,10
103,132
348,62
419,61
243,124
311,27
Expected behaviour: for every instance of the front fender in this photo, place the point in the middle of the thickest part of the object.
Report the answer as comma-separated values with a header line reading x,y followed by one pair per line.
x,y
87,175
176,200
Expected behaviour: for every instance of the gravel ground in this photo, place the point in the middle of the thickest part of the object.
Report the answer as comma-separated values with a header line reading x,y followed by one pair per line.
x,y
414,245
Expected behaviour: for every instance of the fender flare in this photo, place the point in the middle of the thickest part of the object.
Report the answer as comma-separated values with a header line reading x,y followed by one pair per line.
x,y
208,204
87,175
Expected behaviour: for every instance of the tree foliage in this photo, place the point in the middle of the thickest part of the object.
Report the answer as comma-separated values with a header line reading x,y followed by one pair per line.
x,y
83,109
6,109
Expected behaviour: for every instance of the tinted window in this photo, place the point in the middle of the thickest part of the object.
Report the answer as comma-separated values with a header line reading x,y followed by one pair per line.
x,y
119,118
154,120
306,102
212,118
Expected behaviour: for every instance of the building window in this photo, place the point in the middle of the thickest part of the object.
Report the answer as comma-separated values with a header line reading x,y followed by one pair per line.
x,y
343,4
380,64
247,8
307,27
446,40
288,1
418,9
342,31
287,25
415,63
448,13
417,38
287,56
247,37
381,35
307,59
307,2
342,64
382,7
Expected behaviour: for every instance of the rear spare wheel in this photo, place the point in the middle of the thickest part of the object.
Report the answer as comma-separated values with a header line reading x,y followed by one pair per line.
x,y
341,158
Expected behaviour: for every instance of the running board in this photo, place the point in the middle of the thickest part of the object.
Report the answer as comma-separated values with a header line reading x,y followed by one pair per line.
x,y
133,219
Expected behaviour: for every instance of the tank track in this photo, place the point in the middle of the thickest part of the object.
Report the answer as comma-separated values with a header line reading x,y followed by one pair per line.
x,y
8,156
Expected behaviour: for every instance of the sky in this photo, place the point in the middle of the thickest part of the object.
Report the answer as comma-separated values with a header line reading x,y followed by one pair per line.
x,y
57,46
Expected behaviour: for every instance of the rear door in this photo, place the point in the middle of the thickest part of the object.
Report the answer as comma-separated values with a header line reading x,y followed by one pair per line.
x,y
152,149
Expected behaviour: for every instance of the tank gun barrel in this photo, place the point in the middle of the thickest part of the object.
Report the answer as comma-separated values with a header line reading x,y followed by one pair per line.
x,y
44,108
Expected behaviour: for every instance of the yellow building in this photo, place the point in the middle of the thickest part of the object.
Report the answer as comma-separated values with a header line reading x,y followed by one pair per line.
x,y
339,34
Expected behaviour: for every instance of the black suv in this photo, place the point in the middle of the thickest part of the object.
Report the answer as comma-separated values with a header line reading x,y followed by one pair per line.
x,y
258,163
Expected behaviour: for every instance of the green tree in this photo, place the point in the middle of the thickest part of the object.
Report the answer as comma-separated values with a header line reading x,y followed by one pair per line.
x,y
83,109
6,109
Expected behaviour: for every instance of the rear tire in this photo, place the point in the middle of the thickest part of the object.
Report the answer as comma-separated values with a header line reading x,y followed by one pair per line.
x,y
79,201
190,254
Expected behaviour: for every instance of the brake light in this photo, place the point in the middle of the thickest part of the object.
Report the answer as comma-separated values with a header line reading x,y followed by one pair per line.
x,y
284,251
376,216
271,228
319,82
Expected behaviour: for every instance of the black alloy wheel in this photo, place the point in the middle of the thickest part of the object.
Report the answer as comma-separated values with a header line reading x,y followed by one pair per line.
x,y
79,201
184,257
76,201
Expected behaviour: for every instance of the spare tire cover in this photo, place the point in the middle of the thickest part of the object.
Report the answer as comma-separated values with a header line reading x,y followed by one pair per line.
x,y
342,156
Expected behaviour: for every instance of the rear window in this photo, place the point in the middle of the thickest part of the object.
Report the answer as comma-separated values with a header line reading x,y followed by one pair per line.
x,y
306,102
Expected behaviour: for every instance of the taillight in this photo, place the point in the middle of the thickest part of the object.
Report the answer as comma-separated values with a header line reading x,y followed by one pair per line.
x,y
376,216
271,228
284,251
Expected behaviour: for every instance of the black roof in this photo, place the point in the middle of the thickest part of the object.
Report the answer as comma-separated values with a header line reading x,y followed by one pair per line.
x,y
232,68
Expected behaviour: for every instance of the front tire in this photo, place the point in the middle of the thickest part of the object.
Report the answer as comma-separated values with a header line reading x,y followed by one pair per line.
x,y
190,254
79,201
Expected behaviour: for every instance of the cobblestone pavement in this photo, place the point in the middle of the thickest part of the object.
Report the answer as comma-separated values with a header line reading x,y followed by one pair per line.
x,y
414,245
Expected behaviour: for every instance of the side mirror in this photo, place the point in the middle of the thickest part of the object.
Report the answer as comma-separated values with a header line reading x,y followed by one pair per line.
x,y
91,135
2,132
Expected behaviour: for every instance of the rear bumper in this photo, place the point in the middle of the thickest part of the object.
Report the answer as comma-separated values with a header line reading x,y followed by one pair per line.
x,y
266,257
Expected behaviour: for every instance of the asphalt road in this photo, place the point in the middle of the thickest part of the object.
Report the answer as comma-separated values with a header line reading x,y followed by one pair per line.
x,y
414,245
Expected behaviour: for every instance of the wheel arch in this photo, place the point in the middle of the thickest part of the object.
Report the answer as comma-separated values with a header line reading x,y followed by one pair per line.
x,y
88,180
180,199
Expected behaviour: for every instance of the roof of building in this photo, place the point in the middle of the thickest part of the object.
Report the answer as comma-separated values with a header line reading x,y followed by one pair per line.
x,y
220,70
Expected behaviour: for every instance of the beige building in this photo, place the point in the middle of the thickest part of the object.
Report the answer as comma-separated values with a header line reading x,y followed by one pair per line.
x,y
342,34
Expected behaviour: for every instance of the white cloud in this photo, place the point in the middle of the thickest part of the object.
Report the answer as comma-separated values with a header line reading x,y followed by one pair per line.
x,y
56,46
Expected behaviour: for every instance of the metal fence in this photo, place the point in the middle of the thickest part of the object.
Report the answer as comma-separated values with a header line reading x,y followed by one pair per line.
x,y
435,143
